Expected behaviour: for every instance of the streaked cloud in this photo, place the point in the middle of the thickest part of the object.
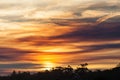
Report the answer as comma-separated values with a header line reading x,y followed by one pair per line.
x,y
20,66
12,54
36,33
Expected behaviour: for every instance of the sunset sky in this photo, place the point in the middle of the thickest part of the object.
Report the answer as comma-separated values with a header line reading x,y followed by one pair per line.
x,y
39,34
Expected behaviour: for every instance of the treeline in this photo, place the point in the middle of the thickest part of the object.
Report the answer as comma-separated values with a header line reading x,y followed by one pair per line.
x,y
67,73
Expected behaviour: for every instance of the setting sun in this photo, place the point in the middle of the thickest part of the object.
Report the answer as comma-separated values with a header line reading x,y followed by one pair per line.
x,y
48,65
43,34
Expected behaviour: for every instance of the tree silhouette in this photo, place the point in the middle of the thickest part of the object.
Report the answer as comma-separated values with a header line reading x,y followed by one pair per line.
x,y
67,73
84,65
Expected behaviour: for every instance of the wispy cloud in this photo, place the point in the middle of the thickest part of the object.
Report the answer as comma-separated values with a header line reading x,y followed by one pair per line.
x,y
57,31
20,66
12,54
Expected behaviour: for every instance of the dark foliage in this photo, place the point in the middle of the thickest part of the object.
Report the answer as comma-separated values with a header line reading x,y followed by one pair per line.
x,y
67,73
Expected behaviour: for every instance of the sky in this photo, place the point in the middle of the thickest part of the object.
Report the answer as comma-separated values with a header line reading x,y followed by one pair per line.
x,y
39,34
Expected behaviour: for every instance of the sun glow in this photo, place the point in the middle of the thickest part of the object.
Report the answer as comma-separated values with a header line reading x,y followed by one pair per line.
x,y
48,65
48,61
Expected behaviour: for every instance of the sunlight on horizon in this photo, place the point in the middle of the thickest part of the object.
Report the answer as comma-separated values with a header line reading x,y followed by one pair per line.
x,y
37,34
48,65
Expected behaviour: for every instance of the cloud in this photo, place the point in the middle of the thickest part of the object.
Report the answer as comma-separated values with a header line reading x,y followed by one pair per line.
x,y
7,68
105,6
9,54
93,48
102,58
74,22
92,13
102,32
105,18
69,29
92,60
20,66
34,11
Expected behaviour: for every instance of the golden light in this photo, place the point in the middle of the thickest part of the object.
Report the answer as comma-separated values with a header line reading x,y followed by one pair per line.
x,y
48,61
58,48
48,65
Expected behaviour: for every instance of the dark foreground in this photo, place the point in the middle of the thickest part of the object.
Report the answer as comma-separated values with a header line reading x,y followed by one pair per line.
x,y
67,73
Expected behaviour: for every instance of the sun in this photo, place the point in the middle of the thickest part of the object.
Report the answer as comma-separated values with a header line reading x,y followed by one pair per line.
x,y
48,65
47,60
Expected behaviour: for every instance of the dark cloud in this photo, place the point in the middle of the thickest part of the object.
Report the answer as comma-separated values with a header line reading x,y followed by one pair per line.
x,y
4,72
6,50
73,22
106,31
93,48
102,58
95,57
105,6
101,32
20,66
91,60
12,53
85,49
39,41
114,19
